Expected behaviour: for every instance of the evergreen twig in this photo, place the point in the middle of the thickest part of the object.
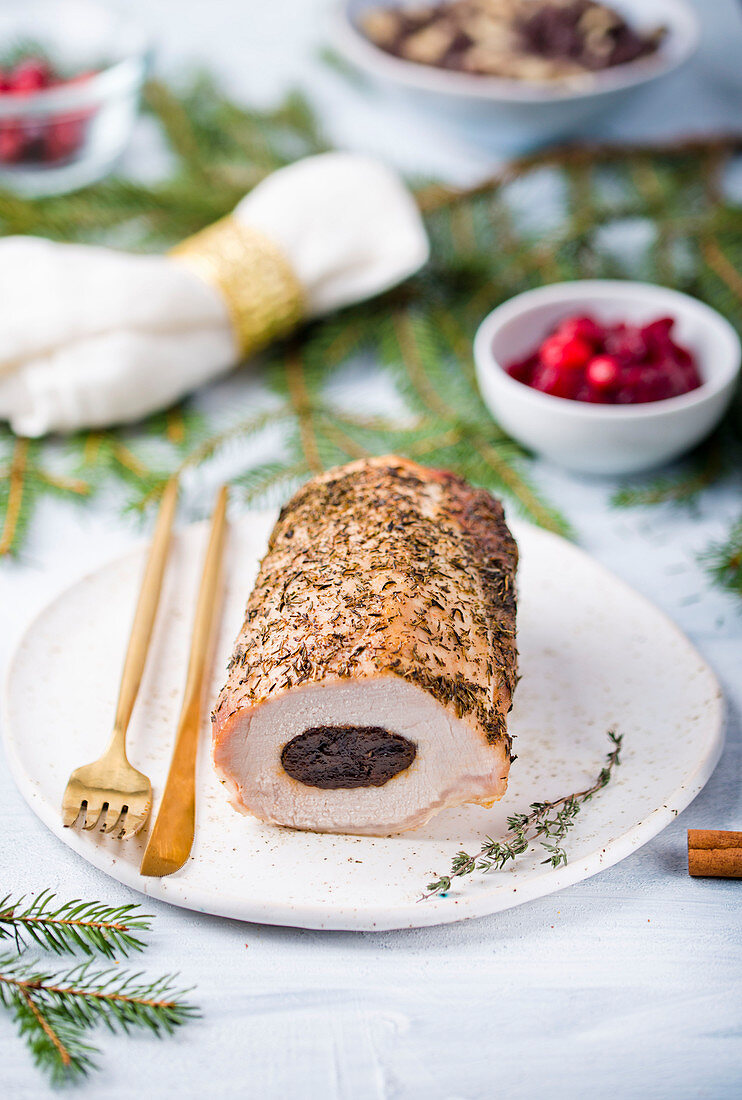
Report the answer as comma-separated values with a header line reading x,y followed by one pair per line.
x,y
723,560
684,488
483,252
547,822
72,925
54,1010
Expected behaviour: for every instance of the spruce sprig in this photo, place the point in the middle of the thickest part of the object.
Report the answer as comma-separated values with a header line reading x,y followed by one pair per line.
x,y
547,822
486,247
723,560
54,1010
71,926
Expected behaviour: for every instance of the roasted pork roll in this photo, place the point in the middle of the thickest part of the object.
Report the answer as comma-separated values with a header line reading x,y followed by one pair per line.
x,y
371,680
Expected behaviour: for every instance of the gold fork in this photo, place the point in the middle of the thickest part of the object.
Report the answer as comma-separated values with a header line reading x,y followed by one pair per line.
x,y
111,784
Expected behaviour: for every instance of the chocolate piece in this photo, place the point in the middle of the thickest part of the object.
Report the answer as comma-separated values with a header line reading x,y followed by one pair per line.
x,y
331,757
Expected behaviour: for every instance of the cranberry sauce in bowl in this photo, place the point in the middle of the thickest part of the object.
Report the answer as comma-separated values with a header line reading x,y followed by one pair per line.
x,y
609,363
607,376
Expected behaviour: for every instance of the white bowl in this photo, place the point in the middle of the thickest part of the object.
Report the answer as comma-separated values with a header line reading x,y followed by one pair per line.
x,y
517,113
605,439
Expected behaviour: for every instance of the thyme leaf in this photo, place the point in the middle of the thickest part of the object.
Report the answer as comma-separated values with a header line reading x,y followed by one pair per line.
x,y
546,822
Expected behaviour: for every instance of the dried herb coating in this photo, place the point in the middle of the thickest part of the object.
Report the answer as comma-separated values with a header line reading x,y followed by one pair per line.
x,y
384,566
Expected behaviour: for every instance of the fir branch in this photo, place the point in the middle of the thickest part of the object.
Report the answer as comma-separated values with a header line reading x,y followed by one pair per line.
x,y
300,400
56,1045
723,560
13,503
55,1010
72,925
547,822
483,252
684,488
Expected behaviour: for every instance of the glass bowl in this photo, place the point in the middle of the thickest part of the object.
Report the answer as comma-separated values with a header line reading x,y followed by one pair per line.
x,y
63,137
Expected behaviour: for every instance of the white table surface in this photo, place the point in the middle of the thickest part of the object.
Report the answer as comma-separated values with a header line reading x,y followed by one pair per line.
x,y
627,985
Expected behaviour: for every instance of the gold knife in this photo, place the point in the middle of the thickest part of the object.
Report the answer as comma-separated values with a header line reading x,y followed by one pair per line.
x,y
171,839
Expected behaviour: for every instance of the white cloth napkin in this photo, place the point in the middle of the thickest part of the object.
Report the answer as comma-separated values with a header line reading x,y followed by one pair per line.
x,y
91,337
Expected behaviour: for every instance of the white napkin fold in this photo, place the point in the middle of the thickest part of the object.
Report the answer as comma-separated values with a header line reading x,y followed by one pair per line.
x,y
91,337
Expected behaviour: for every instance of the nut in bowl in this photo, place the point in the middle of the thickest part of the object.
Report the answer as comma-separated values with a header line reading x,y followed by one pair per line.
x,y
606,438
513,99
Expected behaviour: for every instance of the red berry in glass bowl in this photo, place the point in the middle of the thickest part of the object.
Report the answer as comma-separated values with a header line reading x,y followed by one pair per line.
x,y
12,142
64,137
31,75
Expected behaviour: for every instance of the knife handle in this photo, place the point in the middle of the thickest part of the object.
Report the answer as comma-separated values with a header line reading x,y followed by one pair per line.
x,y
171,839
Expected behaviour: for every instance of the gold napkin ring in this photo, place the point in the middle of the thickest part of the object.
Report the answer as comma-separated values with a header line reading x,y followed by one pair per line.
x,y
263,295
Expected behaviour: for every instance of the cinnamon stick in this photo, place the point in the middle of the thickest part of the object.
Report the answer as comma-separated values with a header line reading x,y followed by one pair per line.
x,y
714,853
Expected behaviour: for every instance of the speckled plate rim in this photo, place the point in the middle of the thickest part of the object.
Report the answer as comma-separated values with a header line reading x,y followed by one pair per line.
x,y
441,910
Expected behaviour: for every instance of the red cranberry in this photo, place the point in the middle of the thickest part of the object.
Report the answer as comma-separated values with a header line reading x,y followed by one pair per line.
x,y
11,143
30,75
64,137
522,370
603,372
580,328
625,342
610,364
659,331
559,383
570,354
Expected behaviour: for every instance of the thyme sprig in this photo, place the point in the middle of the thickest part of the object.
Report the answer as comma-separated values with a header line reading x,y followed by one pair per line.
x,y
54,1010
547,822
72,925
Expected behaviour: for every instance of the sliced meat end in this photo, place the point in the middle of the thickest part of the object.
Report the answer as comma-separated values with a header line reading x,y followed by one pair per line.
x,y
421,758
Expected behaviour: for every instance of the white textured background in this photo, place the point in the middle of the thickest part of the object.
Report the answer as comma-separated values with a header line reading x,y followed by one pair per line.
x,y
628,985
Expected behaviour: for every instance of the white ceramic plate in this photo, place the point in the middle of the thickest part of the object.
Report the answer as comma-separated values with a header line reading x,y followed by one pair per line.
x,y
594,654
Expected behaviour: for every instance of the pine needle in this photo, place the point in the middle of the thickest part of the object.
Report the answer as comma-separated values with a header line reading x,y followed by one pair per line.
x,y
72,926
55,1010
421,333
723,560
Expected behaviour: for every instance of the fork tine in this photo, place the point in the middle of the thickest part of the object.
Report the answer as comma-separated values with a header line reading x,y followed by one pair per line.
x,y
111,818
94,809
135,821
70,809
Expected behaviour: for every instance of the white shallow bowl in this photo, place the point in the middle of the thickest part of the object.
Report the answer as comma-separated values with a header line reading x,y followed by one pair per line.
x,y
515,114
605,439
